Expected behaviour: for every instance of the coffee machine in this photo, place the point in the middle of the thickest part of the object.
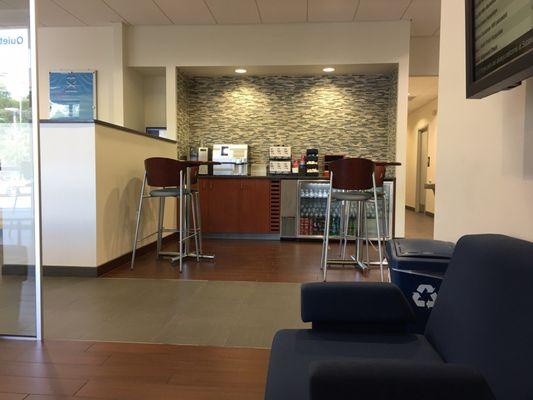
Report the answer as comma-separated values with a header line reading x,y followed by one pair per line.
x,y
233,159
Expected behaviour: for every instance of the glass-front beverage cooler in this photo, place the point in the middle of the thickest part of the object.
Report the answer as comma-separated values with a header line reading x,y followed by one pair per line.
x,y
311,211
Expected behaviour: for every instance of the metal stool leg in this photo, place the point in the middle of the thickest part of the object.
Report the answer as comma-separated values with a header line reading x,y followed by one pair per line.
x,y
181,244
139,211
385,217
194,227
380,255
358,233
342,206
346,228
367,238
160,227
199,219
326,230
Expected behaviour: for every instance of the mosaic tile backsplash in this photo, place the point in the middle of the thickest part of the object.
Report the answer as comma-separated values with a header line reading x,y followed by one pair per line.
x,y
346,114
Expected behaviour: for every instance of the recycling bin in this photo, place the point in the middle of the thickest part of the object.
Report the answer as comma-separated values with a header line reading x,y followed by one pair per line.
x,y
417,267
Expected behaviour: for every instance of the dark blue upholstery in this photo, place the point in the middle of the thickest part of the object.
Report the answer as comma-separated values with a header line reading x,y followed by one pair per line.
x,y
478,342
484,314
396,379
354,303
293,352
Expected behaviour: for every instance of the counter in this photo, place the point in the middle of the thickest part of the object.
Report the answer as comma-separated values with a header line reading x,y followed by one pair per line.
x,y
271,177
91,175
285,206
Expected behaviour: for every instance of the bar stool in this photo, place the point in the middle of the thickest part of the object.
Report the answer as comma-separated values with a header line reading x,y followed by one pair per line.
x,y
350,182
168,176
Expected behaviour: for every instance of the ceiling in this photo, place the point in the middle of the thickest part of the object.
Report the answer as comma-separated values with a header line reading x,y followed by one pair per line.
x,y
422,90
424,14
291,70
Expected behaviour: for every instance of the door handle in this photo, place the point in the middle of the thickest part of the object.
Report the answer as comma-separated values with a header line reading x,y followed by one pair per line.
x,y
429,161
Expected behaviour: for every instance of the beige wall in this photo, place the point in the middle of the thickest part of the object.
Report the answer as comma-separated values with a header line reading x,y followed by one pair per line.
x,y
133,100
286,44
119,172
155,113
424,56
111,50
485,164
83,48
418,119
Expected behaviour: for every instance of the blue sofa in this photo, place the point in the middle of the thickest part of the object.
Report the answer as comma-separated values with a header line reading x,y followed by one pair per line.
x,y
478,344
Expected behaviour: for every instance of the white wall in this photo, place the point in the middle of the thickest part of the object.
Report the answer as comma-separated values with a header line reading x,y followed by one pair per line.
x,y
82,48
419,119
485,164
68,181
286,44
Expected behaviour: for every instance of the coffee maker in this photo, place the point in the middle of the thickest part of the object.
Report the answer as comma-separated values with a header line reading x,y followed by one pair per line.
x,y
233,159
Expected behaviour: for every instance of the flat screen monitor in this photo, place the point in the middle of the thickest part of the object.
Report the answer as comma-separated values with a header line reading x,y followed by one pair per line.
x,y
499,45
156,131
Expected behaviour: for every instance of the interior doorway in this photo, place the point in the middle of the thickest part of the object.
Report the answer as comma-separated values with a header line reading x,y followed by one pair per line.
x,y
422,165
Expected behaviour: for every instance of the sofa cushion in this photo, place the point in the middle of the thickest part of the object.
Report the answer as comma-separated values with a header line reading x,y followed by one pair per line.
x,y
293,352
483,316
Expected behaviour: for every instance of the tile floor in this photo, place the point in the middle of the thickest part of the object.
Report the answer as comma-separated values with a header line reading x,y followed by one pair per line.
x,y
212,313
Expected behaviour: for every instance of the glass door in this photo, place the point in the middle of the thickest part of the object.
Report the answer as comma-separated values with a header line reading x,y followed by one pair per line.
x,y
19,201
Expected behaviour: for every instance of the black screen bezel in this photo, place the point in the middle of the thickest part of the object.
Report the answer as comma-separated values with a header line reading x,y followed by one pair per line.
x,y
507,76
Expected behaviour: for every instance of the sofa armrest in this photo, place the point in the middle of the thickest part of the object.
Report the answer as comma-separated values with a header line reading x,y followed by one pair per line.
x,y
383,379
355,304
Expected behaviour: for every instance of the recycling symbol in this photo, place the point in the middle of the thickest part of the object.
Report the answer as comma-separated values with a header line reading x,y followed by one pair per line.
x,y
419,301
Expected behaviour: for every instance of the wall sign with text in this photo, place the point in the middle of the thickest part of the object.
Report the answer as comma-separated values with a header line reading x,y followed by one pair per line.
x,y
73,95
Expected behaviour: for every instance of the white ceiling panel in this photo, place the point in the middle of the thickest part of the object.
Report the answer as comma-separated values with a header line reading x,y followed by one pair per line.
x,y
139,12
234,11
332,10
425,17
91,12
282,11
186,12
53,15
381,10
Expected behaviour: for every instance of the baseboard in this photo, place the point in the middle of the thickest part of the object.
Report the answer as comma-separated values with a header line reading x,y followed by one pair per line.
x,y
82,272
430,214
410,208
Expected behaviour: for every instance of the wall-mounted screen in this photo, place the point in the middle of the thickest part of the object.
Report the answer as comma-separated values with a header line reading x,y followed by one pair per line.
x,y
73,95
499,45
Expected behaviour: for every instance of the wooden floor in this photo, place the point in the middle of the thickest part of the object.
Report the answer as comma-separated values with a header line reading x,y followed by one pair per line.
x,y
68,370
418,225
86,370
247,260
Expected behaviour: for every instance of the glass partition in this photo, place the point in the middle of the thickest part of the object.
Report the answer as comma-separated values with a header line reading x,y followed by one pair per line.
x,y
18,266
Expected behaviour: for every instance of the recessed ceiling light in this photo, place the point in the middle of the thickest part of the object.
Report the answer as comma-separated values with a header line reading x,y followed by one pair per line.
x,y
328,69
240,71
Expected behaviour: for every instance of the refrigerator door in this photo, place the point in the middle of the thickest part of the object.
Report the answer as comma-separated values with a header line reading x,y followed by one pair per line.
x,y
312,201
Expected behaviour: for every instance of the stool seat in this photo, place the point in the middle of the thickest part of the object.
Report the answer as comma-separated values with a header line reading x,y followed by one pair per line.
x,y
351,196
168,192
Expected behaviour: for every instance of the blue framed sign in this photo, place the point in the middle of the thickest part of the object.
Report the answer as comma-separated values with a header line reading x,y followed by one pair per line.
x,y
73,95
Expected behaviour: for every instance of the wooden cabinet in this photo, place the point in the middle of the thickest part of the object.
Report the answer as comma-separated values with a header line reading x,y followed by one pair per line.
x,y
235,205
